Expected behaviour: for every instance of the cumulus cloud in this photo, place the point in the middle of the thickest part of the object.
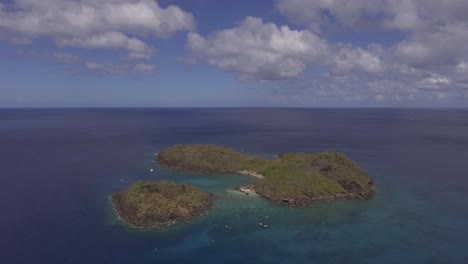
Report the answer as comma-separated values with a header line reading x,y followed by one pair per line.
x,y
85,17
435,82
87,24
263,50
436,30
443,46
424,52
407,15
348,59
430,53
267,51
321,14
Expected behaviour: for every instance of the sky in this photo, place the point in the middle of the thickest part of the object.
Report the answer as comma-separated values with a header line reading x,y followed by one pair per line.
x,y
224,53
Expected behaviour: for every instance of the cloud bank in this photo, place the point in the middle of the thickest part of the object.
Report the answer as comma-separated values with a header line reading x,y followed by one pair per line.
x,y
376,49
87,24
427,55
431,53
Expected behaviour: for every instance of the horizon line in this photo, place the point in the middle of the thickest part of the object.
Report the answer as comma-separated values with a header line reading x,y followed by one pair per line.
x,y
230,107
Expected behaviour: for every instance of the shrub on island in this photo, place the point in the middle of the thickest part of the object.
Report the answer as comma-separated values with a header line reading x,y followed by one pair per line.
x,y
156,204
298,179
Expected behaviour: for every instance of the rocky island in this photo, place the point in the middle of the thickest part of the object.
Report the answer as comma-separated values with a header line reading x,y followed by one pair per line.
x,y
157,204
296,179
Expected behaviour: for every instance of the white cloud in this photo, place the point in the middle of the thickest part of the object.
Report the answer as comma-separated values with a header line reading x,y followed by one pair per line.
x,y
140,55
406,15
118,69
462,67
318,14
267,51
145,68
262,50
348,59
108,40
107,68
429,52
89,24
435,31
434,82
65,57
86,17
444,46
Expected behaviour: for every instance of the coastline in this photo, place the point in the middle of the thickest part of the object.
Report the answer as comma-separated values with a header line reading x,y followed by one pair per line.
x,y
247,190
251,173
363,195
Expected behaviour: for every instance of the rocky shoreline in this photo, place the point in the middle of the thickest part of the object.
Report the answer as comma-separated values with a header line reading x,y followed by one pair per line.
x,y
251,173
247,190
363,195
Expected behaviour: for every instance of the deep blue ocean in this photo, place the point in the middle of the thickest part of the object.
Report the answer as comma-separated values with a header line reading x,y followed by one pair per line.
x,y
58,168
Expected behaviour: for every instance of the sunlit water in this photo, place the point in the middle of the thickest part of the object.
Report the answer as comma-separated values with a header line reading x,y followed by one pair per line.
x,y
59,168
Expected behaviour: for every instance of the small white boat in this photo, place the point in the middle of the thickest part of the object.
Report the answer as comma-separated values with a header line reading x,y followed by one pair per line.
x,y
151,170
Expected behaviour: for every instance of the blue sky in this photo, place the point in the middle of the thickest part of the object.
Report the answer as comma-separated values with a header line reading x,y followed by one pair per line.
x,y
287,53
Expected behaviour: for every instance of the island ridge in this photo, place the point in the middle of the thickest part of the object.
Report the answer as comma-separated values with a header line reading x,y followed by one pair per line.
x,y
297,179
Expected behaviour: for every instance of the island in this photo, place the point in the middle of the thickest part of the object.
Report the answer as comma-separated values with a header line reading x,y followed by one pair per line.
x,y
296,179
163,203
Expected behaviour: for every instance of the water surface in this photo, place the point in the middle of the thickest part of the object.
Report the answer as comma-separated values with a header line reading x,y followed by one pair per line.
x,y
58,168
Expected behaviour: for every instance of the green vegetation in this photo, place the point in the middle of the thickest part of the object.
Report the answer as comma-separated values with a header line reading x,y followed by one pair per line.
x,y
155,204
297,179
207,159
303,179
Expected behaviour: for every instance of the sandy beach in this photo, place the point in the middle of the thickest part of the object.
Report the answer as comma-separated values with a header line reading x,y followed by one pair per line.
x,y
251,173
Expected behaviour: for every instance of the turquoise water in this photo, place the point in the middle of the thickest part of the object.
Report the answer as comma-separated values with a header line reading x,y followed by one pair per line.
x,y
59,168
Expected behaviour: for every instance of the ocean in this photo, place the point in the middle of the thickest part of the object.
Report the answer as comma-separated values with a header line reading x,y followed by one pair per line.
x,y
59,167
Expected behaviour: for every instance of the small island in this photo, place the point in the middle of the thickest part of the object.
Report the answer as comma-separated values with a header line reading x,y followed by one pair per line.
x,y
157,204
296,179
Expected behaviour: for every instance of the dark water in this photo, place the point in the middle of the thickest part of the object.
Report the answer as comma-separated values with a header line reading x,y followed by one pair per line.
x,y
59,167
